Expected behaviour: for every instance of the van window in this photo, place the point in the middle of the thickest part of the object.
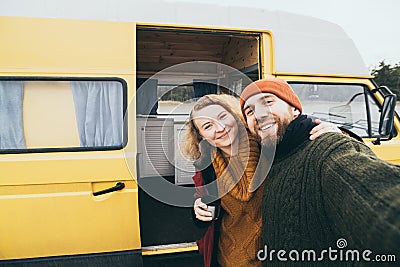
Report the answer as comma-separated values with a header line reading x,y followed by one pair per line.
x,y
176,99
349,106
49,114
161,52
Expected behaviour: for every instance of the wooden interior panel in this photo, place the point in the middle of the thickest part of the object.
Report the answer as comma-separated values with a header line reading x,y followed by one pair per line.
x,y
158,49
241,52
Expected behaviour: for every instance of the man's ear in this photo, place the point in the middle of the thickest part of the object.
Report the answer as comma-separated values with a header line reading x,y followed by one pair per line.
x,y
296,112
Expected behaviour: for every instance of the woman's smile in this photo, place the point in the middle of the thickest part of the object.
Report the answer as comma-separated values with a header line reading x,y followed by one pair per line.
x,y
225,134
216,125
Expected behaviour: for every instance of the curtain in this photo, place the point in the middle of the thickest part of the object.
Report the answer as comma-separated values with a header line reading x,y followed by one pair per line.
x,y
202,87
11,121
146,96
99,112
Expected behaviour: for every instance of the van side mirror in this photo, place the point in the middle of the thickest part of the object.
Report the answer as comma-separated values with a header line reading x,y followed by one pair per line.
x,y
386,118
387,115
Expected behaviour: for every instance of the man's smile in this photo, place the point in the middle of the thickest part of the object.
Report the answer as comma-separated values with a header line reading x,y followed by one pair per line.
x,y
265,126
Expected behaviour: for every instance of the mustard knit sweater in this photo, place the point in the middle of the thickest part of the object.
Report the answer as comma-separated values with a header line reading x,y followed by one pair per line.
x,y
240,236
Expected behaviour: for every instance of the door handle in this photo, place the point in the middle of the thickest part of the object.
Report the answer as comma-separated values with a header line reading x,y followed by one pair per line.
x,y
117,187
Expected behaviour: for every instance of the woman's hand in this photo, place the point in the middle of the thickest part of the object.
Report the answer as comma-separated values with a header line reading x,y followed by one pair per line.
x,y
323,127
200,209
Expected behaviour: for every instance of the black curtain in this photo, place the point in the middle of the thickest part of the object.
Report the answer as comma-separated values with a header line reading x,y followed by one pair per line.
x,y
204,87
146,97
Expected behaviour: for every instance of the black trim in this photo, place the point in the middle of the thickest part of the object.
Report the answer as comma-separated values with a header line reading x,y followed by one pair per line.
x,y
107,259
181,259
196,31
371,93
74,149
67,149
369,119
251,71
119,186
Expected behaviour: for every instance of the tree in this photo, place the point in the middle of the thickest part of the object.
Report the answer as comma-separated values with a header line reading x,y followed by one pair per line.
x,y
388,75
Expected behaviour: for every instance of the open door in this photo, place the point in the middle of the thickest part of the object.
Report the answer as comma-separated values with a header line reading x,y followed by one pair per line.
x,y
165,227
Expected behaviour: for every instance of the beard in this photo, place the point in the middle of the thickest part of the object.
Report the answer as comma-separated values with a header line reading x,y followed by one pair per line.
x,y
273,139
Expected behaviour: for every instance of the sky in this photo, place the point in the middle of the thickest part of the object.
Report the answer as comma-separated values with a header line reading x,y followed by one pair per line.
x,y
374,26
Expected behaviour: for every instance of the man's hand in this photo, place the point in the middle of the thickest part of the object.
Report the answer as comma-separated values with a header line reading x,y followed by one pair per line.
x,y
323,127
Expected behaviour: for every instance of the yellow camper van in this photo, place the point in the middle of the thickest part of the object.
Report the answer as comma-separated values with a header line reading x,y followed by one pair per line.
x,y
92,107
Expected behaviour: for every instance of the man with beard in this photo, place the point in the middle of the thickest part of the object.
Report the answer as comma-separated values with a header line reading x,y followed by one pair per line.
x,y
321,197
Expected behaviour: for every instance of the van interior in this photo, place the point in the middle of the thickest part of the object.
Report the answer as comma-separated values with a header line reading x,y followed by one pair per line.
x,y
165,96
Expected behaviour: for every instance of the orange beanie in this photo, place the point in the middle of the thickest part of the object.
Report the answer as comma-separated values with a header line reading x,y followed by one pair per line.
x,y
275,86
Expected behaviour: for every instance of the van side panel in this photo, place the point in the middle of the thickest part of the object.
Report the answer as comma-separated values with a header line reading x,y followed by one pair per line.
x,y
62,45
66,219
46,196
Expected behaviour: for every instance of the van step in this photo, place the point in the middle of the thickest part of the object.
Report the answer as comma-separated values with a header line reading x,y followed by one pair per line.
x,y
170,248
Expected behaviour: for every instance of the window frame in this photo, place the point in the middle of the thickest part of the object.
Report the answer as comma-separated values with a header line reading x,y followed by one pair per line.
x,y
366,90
75,149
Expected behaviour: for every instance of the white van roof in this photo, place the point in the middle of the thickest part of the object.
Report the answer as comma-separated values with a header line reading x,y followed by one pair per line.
x,y
302,44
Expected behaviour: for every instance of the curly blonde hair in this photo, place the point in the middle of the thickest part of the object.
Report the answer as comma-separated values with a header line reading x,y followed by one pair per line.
x,y
193,137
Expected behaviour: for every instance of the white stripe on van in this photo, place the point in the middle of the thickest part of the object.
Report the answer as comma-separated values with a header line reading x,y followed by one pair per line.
x,y
41,157
64,194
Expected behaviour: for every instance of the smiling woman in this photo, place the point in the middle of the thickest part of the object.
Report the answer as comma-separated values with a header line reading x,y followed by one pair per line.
x,y
217,135
217,126
212,112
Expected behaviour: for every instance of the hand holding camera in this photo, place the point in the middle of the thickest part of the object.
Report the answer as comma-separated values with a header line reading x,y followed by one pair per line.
x,y
207,212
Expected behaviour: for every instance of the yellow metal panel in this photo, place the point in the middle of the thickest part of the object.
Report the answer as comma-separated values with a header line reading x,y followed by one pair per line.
x,y
344,75
169,251
51,210
47,198
62,45
387,150
267,55
66,219
71,167
322,78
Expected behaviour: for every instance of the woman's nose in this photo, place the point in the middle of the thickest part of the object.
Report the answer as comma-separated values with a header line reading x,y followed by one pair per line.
x,y
220,127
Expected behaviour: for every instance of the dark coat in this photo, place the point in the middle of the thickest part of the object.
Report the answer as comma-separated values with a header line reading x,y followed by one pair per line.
x,y
207,245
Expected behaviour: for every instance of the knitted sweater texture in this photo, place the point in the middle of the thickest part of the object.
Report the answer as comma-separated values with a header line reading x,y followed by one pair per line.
x,y
320,191
240,230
